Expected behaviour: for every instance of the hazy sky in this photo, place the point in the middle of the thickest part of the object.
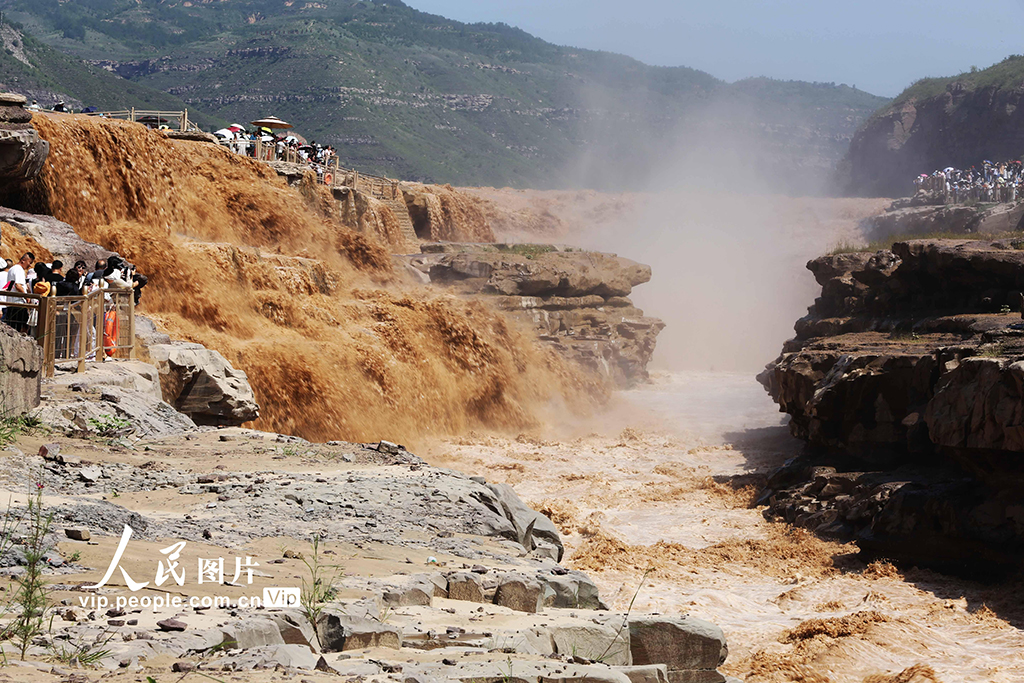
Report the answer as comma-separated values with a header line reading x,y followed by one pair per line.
x,y
878,45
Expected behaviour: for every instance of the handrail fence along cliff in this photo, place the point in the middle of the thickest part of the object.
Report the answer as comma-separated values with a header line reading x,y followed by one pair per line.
x,y
179,119
79,329
332,175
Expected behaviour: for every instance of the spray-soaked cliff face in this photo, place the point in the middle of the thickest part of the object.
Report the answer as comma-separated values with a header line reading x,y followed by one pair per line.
x,y
271,277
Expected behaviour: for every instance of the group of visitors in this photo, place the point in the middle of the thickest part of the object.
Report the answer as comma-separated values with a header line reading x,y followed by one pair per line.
x,y
49,279
993,182
266,146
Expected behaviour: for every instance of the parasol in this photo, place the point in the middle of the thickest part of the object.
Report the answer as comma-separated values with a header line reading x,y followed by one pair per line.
x,y
271,122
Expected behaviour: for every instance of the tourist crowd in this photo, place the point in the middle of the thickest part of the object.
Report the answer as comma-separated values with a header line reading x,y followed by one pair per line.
x,y
266,146
993,182
49,279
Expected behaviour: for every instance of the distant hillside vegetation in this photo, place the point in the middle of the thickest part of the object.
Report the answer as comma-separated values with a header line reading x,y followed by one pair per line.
x,y
418,96
937,122
42,73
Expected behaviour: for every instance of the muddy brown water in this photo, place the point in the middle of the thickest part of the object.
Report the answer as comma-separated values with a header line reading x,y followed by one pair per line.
x,y
654,498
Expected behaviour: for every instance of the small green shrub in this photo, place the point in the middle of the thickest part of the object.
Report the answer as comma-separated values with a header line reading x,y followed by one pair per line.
x,y
109,425
31,598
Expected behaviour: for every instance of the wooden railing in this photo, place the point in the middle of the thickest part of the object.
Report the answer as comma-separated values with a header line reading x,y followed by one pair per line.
x,y
155,119
332,174
72,329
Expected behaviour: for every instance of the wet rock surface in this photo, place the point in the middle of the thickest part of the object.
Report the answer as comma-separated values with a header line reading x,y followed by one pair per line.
x,y
576,300
55,236
906,380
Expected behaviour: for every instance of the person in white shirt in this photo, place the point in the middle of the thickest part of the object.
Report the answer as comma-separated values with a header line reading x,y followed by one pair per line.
x,y
17,281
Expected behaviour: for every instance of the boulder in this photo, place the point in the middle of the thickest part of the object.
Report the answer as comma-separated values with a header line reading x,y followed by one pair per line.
x,y
530,525
338,632
466,586
599,642
254,632
19,371
681,643
295,629
147,334
419,590
573,590
520,593
192,136
201,383
22,153
171,625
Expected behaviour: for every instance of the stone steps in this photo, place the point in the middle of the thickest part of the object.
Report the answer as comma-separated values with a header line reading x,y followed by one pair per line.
x,y
408,231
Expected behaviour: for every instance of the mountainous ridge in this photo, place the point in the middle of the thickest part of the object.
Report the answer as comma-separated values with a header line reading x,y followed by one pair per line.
x,y
413,95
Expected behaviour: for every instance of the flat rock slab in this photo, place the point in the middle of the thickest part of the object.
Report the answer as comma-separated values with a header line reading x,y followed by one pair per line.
x,y
172,625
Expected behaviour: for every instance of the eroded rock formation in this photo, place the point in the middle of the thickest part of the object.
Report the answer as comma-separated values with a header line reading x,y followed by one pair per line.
x,y
576,300
202,384
22,152
906,379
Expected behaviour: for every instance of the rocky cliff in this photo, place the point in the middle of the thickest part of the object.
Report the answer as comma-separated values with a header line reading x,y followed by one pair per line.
x,y
575,300
906,379
958,121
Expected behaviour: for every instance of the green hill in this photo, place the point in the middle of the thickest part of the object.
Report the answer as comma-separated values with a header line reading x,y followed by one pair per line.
x,y
418,96
43,73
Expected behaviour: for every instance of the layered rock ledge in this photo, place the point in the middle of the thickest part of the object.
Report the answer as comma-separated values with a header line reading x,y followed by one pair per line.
x,y
576,300
22,151
906,379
